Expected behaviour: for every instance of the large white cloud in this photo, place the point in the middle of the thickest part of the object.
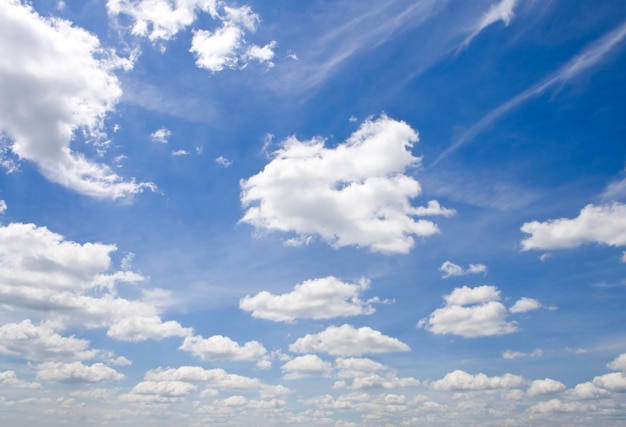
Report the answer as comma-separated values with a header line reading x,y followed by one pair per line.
x,y
470,313
354,194
324,298
619,364
56,80
461,380
603,224
71,283
76,372
346,340
219,347
545,386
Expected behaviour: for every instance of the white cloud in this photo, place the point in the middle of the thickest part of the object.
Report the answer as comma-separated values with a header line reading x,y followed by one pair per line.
x,y
164,388
160,19
346,340
604,224
509,354
449,269
57,81
41,342
120,361
312,299
223,161
545,386
461,380
587,391
219,347
177,153
76,372
9,380
3,206
624,256
307,365
353,194
525,304
470,313
366,373
502,11
619,364
161,135
615,381
263,54
145,327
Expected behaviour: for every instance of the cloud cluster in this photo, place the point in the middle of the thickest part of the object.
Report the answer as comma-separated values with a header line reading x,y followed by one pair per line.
x,y
475,312
461,380
324,298
346,340
58,83
356,194
603,224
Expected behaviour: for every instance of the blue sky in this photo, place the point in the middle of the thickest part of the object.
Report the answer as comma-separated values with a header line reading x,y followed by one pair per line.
x,y
331,213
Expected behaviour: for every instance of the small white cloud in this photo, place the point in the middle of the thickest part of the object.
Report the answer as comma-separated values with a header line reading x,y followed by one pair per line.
x,y
525,304
177,153
161,135
355,194
3,206
127,261
304,366
346,340
623,252
263,54
545,256
545,386
325,298
604,224
449,269
510,355
461,380
9,380
76,372
502,11
615,381
219,347
120,361
223,161
619,364
470,313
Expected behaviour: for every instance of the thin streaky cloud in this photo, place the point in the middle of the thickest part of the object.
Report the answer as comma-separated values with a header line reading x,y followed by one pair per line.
x,y
502,11
589,57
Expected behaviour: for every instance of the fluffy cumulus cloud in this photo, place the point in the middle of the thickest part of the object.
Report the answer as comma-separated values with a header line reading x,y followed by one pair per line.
x,y
354,194
603,224
545,386
449,269
57,83
366,373
346,340
219,347
76,372
307,365
461,380
72,284
525,304
473,312
161,135
619,364
313,299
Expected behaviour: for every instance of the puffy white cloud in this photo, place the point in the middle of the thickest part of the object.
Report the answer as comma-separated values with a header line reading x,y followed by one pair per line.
x,y
3,206
76,372
324,298
604,224
161,135
461,380
226,47
223,161
355,367
307,365
354,194
160,19
346,340
587,391
219,347
71,282
216,379
545,386
556,405
470,313
449,269
502,11
164,388
56,81
41,342
9,379
619,364
178,153
518,354
615,381
525,304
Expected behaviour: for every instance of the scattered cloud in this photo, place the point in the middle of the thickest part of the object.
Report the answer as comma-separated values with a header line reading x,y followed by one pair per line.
x,y
3,206
461,380
325,298
366,373
219,347
76,372
604,224
223,161
68,93
525,304
9,380
353,194
470,313
545,386
304,366
509,354
615,381
161,135
178,153
619,364
346,340
449,269
502,11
